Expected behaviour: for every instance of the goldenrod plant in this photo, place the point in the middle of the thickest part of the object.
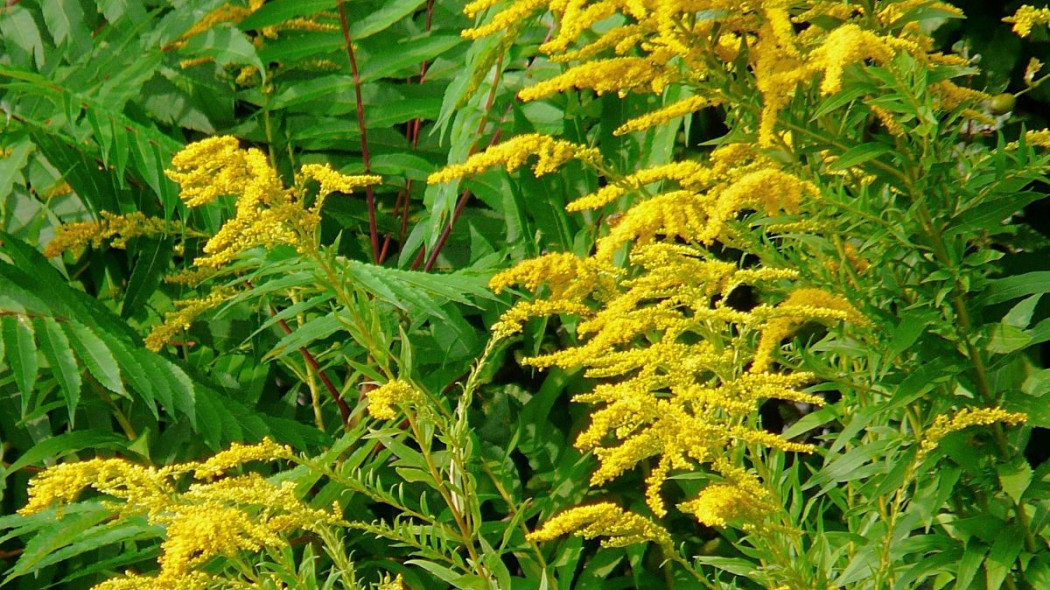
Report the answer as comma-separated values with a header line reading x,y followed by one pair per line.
x,y
406,294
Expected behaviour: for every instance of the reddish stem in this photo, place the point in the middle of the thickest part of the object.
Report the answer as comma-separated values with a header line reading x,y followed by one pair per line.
x,y
373,232
404,199
465,195
344,409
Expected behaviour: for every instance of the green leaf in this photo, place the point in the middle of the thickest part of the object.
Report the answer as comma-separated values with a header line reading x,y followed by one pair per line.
x,y
21,354
1006,339
153,260
971,561
65,22
859,154
227,45
1015,477
96,356
1000,290
65,444
1020,315
391,12
56,348
1002,556
273,13
988,215
53,538
20,32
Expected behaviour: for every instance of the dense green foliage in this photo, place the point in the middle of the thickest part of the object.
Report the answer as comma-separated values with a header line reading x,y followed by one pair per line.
x,y
935,234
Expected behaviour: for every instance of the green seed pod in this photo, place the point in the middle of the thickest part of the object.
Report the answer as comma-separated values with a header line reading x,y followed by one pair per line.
x,y
1000,104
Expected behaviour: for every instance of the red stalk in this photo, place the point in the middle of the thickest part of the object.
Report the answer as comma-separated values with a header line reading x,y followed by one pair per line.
x,y
369,193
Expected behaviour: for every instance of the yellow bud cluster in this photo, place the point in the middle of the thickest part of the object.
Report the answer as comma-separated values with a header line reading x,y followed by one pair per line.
x,y
603,519
113,228
617,74
175,322
944,425
674,110
514,153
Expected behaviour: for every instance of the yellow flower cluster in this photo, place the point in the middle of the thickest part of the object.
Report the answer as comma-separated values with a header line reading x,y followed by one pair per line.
x,y
113,228
1028,17
208,519
384,400
514,153
787,46
683,370
679,397
700,216
604,519
944,425
268,213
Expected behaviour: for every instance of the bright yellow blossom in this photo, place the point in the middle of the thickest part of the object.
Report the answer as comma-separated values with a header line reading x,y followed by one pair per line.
x,y
943,425
603,519
384,400
514,153
1028,17
210,518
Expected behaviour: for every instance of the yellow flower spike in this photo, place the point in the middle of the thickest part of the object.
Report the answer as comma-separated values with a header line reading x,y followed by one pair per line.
x,y
114,228
515,153
238,454
566,275
175,322
1035,138
620,39
603,519
268,213
943,425
513,320
1028,17
332,181
518,11
688,174
674,110
617,74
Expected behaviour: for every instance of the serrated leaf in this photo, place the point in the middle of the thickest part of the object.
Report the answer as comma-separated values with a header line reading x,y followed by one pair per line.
x,y
65,22
1002,556
96,356
56,348
153,259
226,45
51,539
20,344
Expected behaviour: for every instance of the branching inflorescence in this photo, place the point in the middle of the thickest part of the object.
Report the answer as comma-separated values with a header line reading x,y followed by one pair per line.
x,y
681,370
